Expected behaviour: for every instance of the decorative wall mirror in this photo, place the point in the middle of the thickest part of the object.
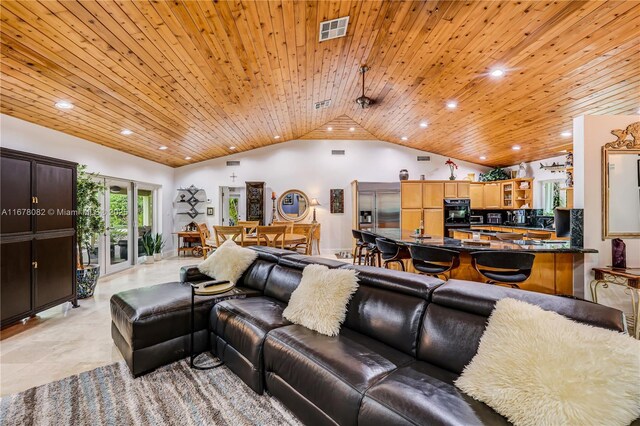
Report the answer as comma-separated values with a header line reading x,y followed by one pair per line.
x,y
621,184
293,205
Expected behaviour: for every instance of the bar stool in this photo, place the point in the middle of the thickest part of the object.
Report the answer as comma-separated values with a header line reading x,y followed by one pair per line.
x,y
372,254
538,235
392,252
507,267
357,252
434,261
508,236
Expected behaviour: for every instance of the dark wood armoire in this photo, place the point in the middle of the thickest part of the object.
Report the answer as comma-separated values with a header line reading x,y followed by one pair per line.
x,y
37,234
255,201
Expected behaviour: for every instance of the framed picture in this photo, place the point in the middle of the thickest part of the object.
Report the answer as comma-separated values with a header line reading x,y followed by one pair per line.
x,y
336,197
287,200
209,211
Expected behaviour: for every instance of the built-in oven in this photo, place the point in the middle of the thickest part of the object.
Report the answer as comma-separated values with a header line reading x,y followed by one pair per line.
x,y
457,213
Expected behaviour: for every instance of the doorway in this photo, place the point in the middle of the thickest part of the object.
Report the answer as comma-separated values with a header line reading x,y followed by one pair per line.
x,y
118,235
232,205
145,220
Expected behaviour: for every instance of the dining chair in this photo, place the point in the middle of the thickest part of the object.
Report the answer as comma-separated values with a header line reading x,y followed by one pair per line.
x,y
273,236
286,223
233,233
509,236
249,226
305,229
205,246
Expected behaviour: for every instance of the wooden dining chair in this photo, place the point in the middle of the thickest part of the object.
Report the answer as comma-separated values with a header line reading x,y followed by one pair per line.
x,y
273,236
233,233
250,228
508,236
305,229
286,223
205,235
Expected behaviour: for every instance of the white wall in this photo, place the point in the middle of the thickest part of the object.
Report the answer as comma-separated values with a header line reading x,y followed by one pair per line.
x,y
540,175
24,136
309,166
590,134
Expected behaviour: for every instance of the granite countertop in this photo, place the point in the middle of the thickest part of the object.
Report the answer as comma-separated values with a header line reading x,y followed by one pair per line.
x,y
506,225
561,246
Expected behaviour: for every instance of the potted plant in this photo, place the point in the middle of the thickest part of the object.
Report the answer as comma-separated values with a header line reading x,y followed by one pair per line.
x,y
148,244
90,223
158,245
493,175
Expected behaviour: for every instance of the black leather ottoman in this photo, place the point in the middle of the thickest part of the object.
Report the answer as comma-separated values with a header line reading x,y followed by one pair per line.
x,y
151,325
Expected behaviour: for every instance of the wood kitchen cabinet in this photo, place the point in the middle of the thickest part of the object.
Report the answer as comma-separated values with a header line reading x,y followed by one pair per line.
x,y
411,195
476,194
37,235
492,195
410,219
450,190
434,222
432,195
463,189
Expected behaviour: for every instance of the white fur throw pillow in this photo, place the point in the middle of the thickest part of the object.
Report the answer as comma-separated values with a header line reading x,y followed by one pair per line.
x,y
320,301
537,367
228,262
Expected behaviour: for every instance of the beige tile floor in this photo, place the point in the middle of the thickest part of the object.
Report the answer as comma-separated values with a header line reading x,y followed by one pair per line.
x,y
63,341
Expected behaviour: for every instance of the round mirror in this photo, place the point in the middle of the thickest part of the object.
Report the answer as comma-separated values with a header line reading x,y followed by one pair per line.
x,y
293,205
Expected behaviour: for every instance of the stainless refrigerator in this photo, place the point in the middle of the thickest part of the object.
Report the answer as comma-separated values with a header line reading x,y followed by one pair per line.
x,y
378,205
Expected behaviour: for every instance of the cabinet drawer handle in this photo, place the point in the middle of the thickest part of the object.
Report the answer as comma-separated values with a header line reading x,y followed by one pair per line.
x,y
36,198
34,264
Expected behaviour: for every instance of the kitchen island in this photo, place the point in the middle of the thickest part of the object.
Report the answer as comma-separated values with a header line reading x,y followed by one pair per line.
x,y
553,269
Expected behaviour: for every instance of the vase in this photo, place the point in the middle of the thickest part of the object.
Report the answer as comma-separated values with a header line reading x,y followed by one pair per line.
x,y
404,174
147,260
157,256
87,280
452,177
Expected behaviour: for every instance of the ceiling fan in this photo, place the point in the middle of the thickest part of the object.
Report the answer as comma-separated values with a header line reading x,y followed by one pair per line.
x,y
363,100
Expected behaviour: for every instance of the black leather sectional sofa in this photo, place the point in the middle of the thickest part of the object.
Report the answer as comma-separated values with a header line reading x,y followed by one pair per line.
x,y
405,340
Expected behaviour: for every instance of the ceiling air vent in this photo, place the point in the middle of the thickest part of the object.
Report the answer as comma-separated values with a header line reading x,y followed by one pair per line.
x,y
424,158
233,163
337,152
334,28
322,104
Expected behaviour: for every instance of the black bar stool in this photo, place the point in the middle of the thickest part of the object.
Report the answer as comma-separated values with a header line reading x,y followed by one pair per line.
x,y
392,252
434,261
507,267
360,245
372,254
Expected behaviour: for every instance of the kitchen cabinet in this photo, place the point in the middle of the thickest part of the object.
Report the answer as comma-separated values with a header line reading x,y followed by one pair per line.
x,y
463,189
507,195
433,195
38,250
410,219
450,190
434,222
492,195
411,195
476,194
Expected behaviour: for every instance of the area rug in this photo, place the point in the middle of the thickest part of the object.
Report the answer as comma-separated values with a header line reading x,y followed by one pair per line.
x,y
172,395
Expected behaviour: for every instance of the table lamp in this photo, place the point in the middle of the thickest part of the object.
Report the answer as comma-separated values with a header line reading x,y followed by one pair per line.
x,y
313,203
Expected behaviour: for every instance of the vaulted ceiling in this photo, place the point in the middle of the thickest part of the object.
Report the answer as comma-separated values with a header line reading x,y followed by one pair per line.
x,y
198,77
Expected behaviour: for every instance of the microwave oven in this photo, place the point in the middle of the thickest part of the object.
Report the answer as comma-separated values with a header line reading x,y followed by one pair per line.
x,y
476,219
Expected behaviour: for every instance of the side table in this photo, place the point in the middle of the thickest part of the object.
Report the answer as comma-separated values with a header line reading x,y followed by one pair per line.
x,y
207,288
628,278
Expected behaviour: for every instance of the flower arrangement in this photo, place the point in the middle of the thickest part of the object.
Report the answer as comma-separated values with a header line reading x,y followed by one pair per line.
x,y
452,167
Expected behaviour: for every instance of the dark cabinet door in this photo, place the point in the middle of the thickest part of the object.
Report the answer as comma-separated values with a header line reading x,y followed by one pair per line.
x,y
15,198
54,275
15,280
255,201
54,189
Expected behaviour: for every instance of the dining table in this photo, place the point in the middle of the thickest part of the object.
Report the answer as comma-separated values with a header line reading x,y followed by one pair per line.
x,y
289,239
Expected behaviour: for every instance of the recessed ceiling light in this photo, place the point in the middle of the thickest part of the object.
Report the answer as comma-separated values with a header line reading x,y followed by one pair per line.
x,y
452,104
64,105
187,158
329,129
482,157
563,151
162,147
352,129
404,138
565,134
276,137
638,111
516,148
126,132
232,148
424,124
498,72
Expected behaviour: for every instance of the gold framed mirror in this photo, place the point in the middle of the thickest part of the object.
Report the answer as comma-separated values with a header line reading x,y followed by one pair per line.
x,y
621,184
293,205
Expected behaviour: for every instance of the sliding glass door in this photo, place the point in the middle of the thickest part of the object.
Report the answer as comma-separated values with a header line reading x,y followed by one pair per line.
x,y
118,235
145,219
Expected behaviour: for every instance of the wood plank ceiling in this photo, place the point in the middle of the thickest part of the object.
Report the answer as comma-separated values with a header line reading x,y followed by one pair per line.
x,y
199,77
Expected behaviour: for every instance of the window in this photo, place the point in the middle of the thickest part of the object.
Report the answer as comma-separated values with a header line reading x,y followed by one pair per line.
x,y
552,196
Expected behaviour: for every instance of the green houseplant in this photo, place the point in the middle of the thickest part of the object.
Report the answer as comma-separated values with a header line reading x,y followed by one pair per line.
x,y
493,175
90,223
158,245
149,246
